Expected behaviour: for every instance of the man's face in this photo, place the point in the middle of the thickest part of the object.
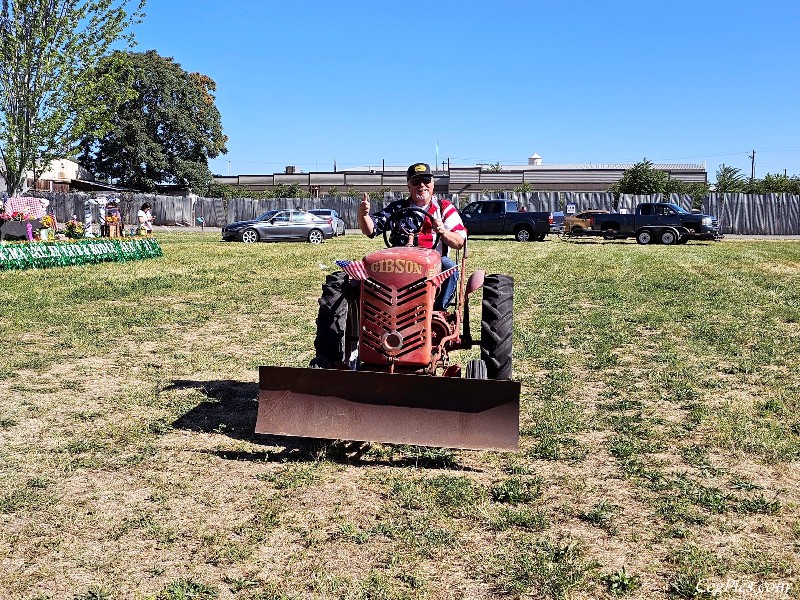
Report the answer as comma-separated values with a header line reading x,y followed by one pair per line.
x,y
421,189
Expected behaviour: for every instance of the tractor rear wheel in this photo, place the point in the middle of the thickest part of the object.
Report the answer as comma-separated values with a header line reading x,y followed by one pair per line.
x,y
497,317
337,323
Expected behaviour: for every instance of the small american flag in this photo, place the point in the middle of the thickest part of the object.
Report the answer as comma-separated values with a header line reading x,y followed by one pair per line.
x,y
354,268
438,279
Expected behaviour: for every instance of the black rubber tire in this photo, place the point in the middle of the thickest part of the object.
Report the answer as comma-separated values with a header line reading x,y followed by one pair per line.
x,y
337,315
476,369
644,237
669,237
523,234
497,319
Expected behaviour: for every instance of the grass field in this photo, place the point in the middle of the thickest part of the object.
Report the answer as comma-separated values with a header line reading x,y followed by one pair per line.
x,y
659,452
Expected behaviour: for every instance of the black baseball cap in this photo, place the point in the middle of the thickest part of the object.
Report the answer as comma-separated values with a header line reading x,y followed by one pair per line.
x,y
418,169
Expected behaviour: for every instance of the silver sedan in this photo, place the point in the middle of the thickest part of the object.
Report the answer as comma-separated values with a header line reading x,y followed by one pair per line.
x,y
287,225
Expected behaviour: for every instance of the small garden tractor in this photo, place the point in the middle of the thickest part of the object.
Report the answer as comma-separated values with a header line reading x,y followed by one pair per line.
x,y
382,371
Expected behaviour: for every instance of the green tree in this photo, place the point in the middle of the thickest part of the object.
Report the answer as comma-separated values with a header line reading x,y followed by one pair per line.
x,y
773,184
729,180
165,133
641,178
49,95
494,168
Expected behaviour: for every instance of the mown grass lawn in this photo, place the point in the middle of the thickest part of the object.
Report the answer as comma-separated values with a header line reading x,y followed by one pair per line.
x,y
660,447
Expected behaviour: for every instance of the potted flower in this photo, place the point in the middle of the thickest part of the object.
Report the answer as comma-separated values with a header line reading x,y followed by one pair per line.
x,y
74,229
48,225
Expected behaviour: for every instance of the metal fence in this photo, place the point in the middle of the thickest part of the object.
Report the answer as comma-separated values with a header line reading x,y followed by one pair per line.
x,y
770,214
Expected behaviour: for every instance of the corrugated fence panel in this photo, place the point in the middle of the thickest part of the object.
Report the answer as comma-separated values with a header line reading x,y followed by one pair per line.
x,y
771,214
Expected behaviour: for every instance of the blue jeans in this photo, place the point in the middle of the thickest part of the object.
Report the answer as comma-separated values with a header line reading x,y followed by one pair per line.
x,y
448,286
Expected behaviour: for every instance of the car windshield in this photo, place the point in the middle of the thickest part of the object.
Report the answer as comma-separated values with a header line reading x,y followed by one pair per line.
x,y
267,215
320,213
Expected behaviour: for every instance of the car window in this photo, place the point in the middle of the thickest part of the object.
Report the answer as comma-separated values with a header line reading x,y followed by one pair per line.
x,y
282,217
267,215
299,216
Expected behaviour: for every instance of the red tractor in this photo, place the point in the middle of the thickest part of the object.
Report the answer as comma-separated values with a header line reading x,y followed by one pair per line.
x,y
383,369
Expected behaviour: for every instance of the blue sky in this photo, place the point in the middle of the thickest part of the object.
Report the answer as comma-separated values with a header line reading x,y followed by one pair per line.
x,y
304,82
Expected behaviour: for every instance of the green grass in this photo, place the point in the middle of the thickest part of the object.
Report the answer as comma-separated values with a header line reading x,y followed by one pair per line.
x,y
659,431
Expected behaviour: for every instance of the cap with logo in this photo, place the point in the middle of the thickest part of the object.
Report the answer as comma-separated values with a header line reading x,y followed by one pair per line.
x,y
417,169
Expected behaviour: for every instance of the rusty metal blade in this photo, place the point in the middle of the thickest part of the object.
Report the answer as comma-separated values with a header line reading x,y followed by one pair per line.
x,y
382,407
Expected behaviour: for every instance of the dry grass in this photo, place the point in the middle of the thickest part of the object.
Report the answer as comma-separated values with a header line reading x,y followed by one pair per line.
x,y
660,434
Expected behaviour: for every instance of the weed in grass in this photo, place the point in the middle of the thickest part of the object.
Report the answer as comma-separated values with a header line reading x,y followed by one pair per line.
x,y
519,517
758,505
602,515
620,582
296,476
677,509
95,592
693,567
517,490
25,497
7,423
552,447
548,568
187,589
446,493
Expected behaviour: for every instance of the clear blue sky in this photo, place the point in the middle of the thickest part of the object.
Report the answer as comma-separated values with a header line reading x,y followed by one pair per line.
x,y
302,82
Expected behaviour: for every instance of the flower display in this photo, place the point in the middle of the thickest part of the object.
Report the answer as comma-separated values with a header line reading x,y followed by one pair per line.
x,y
112,219
48,221
73,228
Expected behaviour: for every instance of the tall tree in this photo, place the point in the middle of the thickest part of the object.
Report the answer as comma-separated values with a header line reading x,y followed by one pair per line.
x,y
641,178
729,180
165,133
49,97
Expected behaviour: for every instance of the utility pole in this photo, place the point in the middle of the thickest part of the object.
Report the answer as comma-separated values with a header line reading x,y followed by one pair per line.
x,y
752,158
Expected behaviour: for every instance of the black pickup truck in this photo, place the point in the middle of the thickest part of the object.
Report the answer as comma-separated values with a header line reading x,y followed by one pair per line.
x,y
655,222
501,217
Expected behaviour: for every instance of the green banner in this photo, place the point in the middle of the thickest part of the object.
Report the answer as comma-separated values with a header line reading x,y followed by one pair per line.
x,y
43,255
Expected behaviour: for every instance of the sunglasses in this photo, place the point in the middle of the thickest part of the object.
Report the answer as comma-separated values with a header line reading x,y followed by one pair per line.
x,y
426,179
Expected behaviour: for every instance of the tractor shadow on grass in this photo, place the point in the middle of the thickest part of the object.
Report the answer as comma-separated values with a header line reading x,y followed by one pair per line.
x,y
231,410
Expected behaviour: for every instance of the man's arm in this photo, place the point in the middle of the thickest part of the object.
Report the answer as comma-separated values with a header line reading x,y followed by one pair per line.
x,y
365,222
453,239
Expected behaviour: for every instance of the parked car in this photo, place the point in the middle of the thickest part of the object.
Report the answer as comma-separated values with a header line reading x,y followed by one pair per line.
x,y
577,223
279,225
332,217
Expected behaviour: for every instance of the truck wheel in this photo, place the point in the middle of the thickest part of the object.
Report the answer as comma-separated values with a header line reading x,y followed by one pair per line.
x,y
523,234
337,323
476,369
644,237
496,321
610,234
669,237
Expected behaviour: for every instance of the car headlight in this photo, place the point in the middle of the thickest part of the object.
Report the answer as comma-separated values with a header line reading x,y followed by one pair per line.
x,y
707,221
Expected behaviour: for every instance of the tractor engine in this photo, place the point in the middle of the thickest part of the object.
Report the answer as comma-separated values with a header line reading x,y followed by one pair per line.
x,y
399,328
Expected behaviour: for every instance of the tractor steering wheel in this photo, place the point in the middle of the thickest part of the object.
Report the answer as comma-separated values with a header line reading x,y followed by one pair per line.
x,y
407,221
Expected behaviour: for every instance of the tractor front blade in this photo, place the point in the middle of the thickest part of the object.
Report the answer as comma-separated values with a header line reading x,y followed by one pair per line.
x,y
388,407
